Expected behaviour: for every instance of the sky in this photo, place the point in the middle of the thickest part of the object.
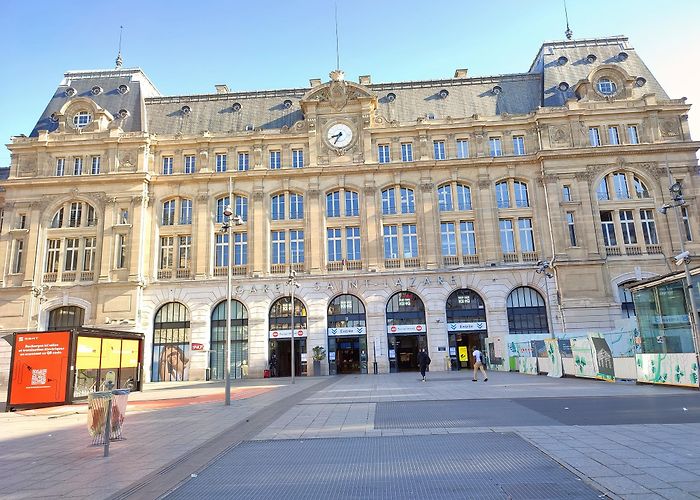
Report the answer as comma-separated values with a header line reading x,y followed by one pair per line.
x,y
187,47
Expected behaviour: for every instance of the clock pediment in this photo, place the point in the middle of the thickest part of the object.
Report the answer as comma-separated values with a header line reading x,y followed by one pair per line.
x,y
338,93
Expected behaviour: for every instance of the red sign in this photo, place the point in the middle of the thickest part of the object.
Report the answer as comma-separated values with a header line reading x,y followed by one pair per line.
x,y
393,328
275,334
39,368
418,328
197,347
300,333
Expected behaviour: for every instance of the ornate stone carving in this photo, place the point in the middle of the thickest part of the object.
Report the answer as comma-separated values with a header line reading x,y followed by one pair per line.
x,y
203,196
258,195
370,190
484,183
427,187
669,128
652,168
559,135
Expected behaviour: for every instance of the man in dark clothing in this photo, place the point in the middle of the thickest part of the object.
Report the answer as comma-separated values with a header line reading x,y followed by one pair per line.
x,y
423,362
273,364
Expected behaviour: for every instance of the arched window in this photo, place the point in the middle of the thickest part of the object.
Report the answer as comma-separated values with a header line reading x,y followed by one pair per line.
x,y
239,341
405,308
527,312
281,312
279,210
71,255
171,343
622,186
626,302
606,86
408,202
346,311
454,191
66,318
465,306
240,207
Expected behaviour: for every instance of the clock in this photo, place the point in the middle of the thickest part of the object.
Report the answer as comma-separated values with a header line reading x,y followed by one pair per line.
x,y
339,135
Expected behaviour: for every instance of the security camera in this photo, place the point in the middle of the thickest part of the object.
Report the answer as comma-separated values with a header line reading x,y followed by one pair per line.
x,y
682,258
237,220
663,208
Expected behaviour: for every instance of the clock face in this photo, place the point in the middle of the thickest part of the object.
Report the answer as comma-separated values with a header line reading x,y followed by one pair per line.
x,y
339,135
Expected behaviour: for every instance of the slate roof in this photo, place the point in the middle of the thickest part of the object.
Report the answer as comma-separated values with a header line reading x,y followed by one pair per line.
x,y
577,68
110,99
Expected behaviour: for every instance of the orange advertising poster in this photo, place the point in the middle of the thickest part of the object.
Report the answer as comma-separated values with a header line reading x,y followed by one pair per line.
x,y
39,368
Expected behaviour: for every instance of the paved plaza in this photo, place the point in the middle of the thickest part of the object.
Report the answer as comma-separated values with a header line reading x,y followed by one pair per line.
x,y
369,436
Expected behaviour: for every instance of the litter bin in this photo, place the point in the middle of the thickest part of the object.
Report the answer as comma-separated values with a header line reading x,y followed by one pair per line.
x,y
106,411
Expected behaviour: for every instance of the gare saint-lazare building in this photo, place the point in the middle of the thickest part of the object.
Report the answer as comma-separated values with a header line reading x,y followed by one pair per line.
x,y
415,214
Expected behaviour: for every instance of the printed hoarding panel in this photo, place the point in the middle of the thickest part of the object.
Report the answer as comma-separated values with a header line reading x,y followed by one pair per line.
x,y
527,365
668,368
582,352
39,368
552,347
605,368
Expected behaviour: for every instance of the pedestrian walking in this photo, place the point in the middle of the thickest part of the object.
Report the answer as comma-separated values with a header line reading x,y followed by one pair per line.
x,y
423,362
273,363
478,364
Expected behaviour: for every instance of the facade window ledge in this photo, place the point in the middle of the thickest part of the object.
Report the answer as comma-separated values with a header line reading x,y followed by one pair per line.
x,y
16,230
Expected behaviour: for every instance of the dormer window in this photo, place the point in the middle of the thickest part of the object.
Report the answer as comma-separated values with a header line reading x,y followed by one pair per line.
x,y
606,86
81,119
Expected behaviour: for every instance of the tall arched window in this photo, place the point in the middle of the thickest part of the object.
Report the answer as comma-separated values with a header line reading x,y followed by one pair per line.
x,y
66,318
71,243
343,243
287,242
516,230
347,335
239,341
457,234
527,312
171,343
465,306
406,330
400,234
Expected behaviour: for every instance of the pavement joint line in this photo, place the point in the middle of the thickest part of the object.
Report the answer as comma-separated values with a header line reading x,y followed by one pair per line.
x,y
171,476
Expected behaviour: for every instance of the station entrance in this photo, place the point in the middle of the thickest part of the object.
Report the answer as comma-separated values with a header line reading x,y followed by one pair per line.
x,y
406,331
281,332
466,326
347,335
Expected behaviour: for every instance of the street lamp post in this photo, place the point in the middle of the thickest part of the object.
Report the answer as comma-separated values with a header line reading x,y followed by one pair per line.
x,y
292,282
229,221
543,267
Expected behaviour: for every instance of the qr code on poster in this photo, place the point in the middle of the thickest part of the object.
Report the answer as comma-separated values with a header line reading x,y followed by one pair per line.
x,y
39,377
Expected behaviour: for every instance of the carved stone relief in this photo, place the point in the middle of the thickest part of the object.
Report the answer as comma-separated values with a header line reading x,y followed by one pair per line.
x,y
669,128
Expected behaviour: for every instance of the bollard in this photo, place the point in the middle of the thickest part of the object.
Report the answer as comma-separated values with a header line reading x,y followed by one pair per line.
x,y
108,427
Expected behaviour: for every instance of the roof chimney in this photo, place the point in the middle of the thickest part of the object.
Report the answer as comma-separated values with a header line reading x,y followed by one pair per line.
x,y
461,73
222,88
365,79
315,82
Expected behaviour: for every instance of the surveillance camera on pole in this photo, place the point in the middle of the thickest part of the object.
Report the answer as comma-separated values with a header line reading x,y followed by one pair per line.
x,y
664,208
682,258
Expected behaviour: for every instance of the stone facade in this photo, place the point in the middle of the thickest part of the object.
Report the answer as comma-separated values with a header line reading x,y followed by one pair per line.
x,y
132,254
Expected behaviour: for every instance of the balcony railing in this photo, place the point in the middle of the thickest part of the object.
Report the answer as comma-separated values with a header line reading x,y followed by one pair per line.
x,y
240,270
510,257
165,274
68,276
531,256
654,249
633,250
353,265
450,260
87,276
183,273
411,262
278,268
392,263
336,265
471,258
50,277
613,251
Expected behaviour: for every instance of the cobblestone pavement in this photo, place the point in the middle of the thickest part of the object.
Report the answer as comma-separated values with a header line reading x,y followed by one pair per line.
x,y
175,430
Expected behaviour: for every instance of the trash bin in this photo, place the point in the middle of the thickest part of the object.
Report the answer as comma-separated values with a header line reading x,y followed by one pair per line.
x,y
101,404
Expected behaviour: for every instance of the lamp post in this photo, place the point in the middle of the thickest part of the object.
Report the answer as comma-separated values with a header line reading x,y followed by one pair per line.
x,y
543,267
683,257
292,282
229,221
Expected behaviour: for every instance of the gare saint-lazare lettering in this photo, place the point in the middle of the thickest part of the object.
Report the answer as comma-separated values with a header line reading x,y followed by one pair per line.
x,y
352,284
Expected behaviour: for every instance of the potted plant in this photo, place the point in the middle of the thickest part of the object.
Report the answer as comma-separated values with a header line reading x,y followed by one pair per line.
x,y
319,354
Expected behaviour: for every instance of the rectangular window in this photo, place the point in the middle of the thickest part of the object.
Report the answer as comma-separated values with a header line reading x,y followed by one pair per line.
x,y
297,158
566,193
572,228
389,201
518,145
686,224
622,191
221,250
123,216
89,253
95,167
17,255
632,134
352,243
445,198
439,150
502,195
184,252
278,247
520,191
602,191
77,166
383,153
613,136
243,162
22,221
594,136
60,167
333,204
296,206
278,207
495,148
240,249
507,235
464,197
408,201
168,213
527,240
352,204
406,151
53,254
190,164
76,214
166,252
391,242
72,251
448,238
648,227
275,160
185,211
121,251
462,148
296,245
629,235
467,237
335,243
221,162
167,165
410,240
608,227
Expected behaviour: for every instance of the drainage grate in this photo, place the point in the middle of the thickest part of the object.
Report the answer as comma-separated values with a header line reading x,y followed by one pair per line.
x,y
477,465
456,413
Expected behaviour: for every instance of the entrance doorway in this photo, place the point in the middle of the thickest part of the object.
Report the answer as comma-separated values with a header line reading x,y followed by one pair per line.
x,y
347,335
466,324
463,345
350,354
283,351
405,349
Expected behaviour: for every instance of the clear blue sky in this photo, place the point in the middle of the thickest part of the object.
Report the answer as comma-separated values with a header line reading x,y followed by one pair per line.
x,y
188,46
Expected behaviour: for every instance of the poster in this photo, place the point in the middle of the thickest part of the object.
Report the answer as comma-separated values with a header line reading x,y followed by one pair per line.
x,y
552,347
463,355
603,359
39,368
582,352
527,365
